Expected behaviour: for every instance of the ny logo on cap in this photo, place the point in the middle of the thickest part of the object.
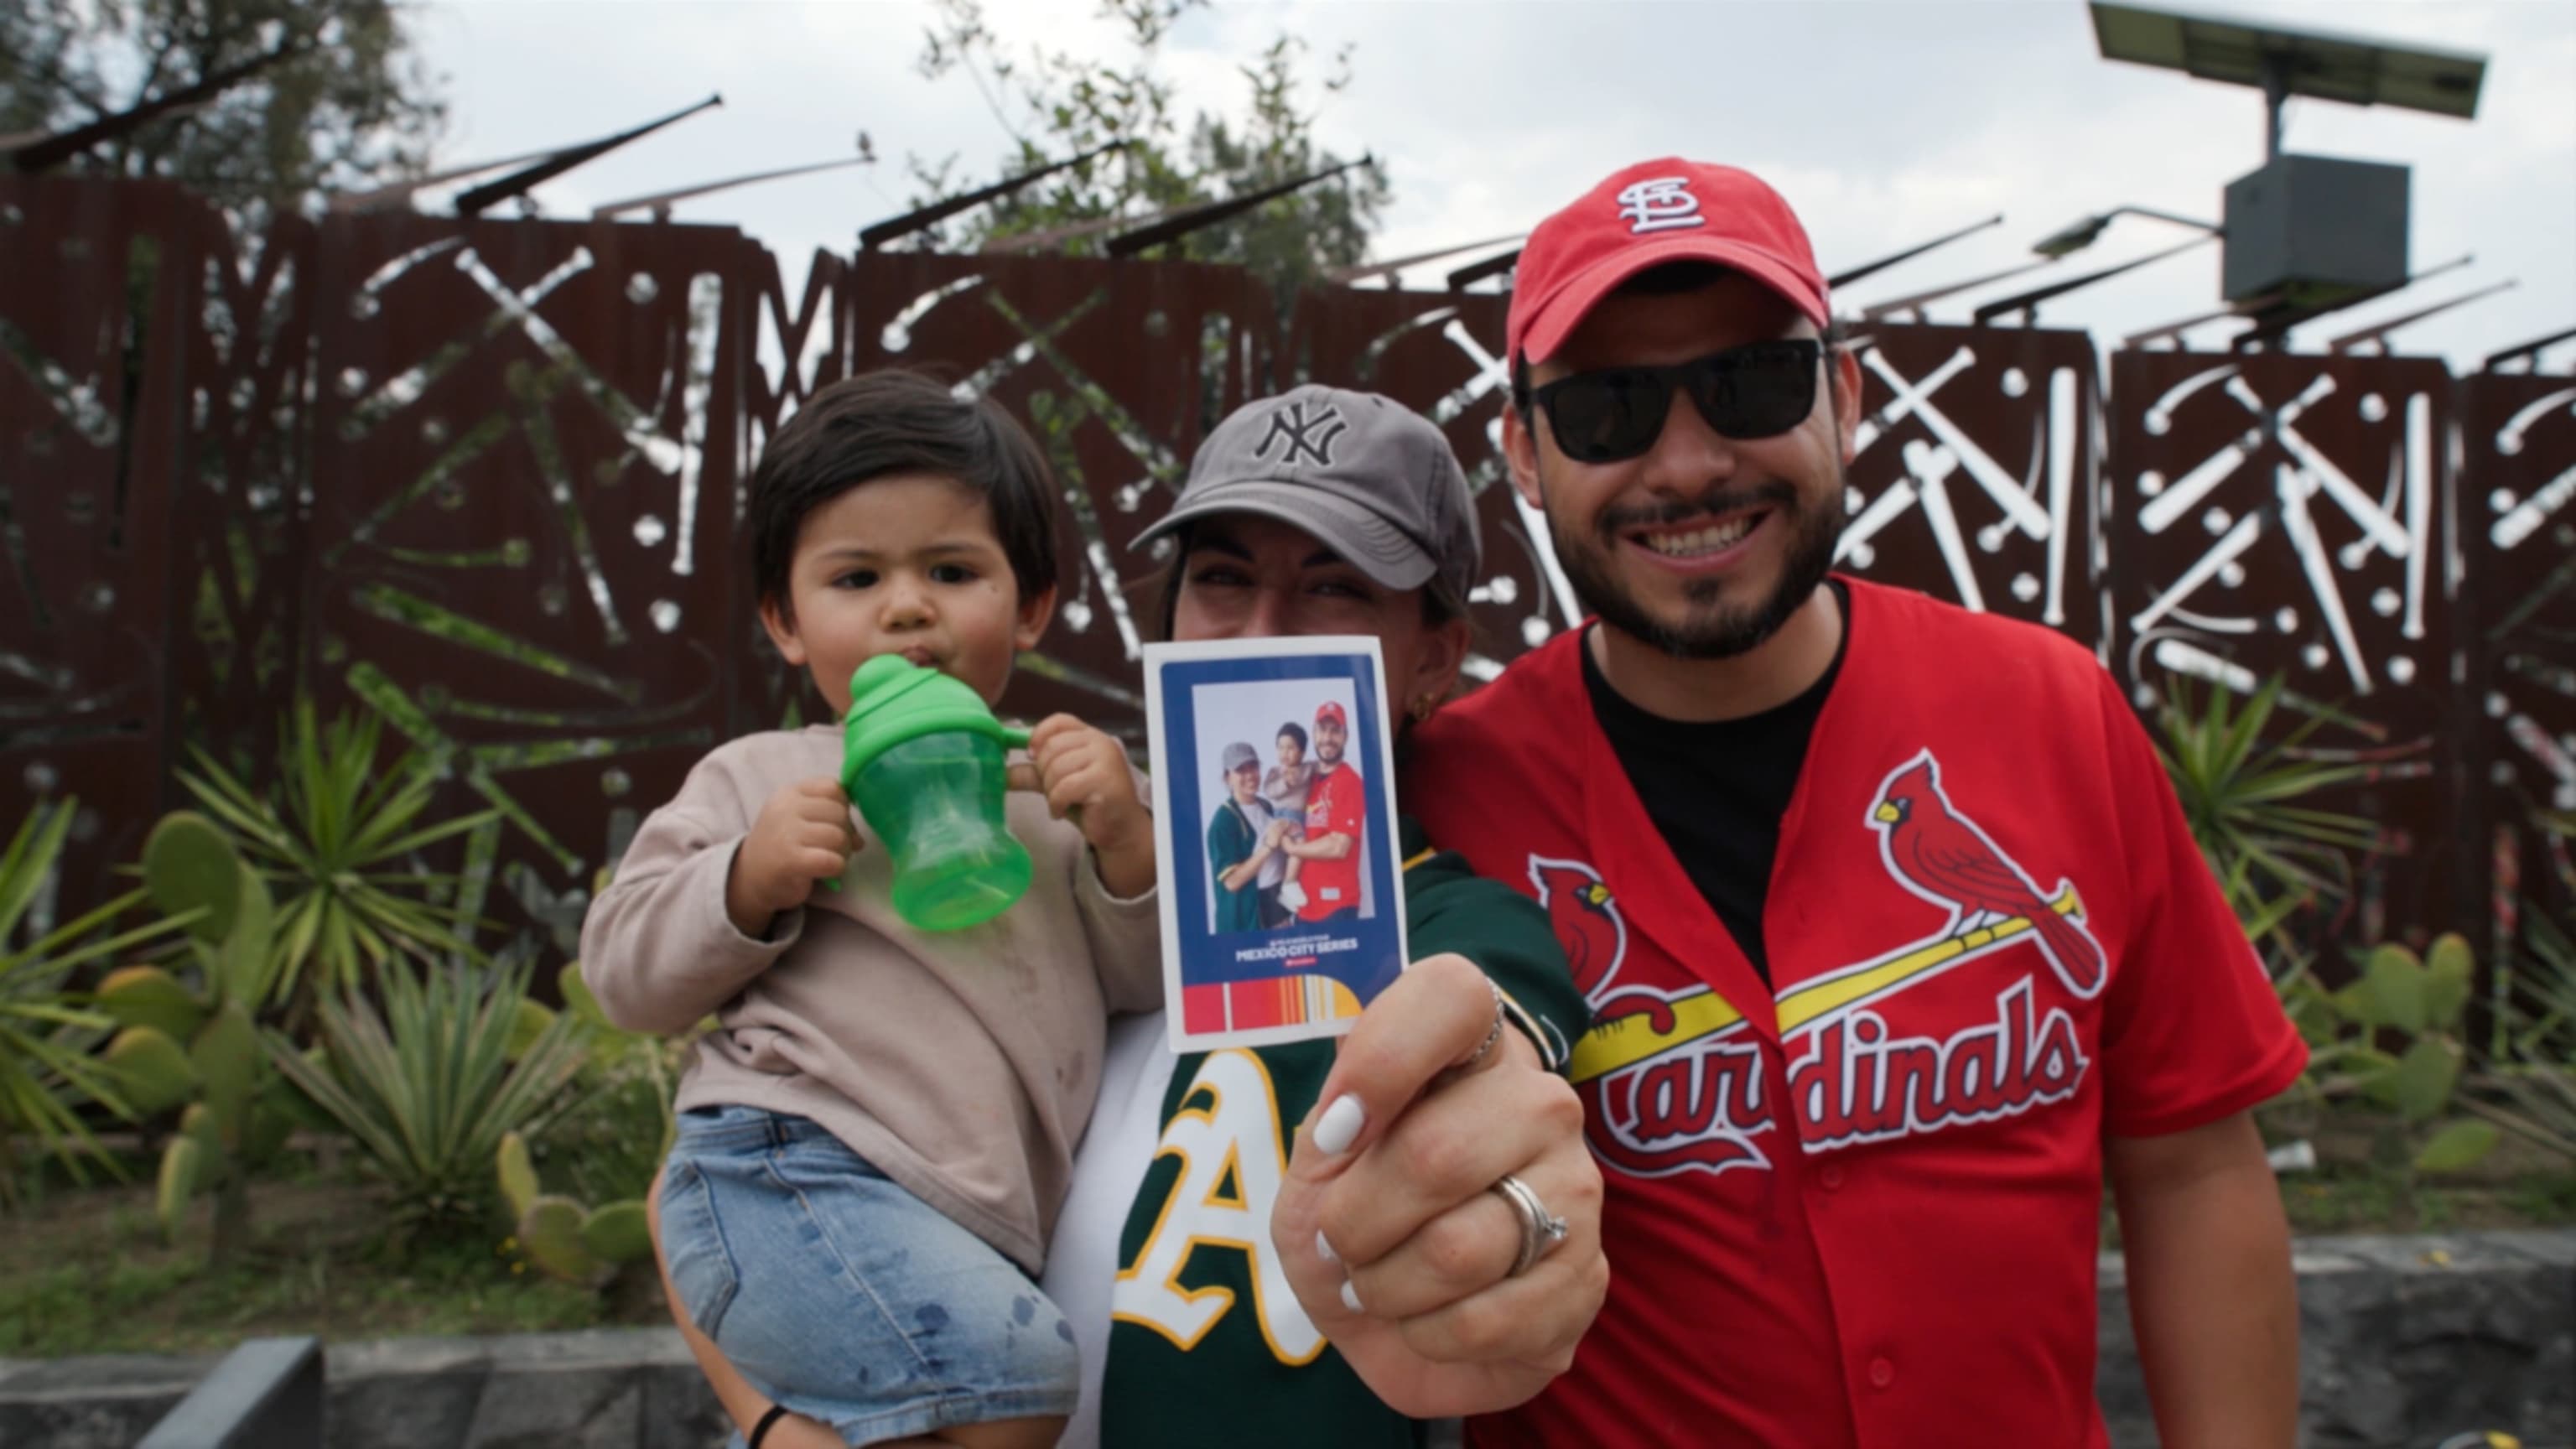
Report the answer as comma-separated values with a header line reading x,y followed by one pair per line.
x,y
1660,205
1309,437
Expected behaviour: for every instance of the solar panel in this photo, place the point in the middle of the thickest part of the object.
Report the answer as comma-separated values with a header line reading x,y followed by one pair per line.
x,y
2351,69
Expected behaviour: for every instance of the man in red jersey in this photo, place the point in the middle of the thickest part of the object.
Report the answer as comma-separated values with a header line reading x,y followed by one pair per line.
x,y
1896,939
1336,804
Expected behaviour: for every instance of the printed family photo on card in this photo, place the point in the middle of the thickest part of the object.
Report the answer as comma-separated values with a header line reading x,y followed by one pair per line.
x,y
1274,815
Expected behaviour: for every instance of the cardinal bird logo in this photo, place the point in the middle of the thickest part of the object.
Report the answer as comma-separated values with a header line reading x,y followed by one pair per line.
x,y
1587,922
1941,855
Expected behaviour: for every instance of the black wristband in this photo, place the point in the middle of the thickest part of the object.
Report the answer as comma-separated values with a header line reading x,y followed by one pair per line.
x,y
760,1430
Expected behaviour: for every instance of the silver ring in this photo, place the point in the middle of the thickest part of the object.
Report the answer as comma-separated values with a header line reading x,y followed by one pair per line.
x,y
1493,1034
1541,1230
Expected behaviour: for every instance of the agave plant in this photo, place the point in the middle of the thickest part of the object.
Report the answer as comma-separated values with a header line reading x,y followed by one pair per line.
x,y
46,1030
2532,1075
2239,792
428,1088
336,849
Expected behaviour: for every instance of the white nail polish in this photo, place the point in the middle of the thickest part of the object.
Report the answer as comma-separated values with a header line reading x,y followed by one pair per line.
x,y
1340,1125
1323,1249
1351,1297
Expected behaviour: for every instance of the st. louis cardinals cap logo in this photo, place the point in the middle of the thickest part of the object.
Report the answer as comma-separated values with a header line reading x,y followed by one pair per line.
x,y
1308,432
1659,204
1673,1081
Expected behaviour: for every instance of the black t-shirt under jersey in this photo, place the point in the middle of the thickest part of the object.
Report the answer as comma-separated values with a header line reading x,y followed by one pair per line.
x,y
1717,789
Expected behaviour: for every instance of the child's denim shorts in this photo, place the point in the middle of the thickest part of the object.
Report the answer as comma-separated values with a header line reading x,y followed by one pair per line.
x,y
843,1296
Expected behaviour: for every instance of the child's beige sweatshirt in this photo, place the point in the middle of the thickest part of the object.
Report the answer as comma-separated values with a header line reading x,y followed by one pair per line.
x,y
963,1063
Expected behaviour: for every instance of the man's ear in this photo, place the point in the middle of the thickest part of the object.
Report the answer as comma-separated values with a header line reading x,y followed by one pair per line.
x,y
1520,452
782,631
1847,401
1032,623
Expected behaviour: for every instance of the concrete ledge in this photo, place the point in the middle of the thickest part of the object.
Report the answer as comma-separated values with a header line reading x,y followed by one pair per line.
x,y
2403,1342
610,1388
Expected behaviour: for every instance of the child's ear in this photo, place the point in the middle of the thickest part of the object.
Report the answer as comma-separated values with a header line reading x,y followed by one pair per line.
x,y
1034,614
782,631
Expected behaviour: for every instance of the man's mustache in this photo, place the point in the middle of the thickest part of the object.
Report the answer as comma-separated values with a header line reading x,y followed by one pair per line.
x,y
1616,521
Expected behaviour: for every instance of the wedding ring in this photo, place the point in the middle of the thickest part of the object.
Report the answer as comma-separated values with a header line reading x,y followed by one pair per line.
x,y
1493,1034
1541,1230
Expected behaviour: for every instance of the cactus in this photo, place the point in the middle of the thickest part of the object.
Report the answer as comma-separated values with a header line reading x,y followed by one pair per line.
x,y
550,1234
2420,1001
562,1237
617,1232
199,1046
518,1175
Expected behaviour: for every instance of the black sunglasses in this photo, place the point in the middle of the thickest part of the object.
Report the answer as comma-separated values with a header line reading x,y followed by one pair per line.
x,y
1757,391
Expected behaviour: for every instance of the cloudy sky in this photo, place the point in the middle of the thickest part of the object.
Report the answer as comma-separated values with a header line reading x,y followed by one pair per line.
x,y
1885,123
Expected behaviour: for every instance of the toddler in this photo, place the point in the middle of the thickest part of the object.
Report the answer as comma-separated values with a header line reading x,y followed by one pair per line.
x,y
874,1142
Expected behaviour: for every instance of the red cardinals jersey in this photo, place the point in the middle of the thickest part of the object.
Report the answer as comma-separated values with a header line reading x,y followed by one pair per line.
x,y
1335,805
1860,1208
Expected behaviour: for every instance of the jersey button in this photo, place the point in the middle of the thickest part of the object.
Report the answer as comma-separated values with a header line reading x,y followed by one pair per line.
x,y
1830,1177
1881,1373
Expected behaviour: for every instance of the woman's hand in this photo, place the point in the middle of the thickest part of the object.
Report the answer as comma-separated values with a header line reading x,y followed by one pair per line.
x,y
1416,1291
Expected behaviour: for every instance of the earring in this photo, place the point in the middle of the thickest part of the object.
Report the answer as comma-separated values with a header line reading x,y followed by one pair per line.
x,y
1423,708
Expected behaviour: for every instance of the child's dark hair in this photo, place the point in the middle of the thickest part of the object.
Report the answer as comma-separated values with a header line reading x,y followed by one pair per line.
x,y
1293,731
879,424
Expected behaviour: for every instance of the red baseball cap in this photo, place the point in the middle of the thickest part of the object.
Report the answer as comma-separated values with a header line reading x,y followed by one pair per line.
x,y
1642,216
1332,710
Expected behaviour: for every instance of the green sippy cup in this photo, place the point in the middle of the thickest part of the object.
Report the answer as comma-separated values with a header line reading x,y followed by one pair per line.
x,y
922,759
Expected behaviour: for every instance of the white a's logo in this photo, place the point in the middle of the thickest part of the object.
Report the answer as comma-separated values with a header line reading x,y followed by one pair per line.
x,y
1660,204
1232,1164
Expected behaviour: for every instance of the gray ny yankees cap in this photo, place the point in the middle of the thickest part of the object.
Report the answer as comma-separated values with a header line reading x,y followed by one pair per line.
x,y
1371,479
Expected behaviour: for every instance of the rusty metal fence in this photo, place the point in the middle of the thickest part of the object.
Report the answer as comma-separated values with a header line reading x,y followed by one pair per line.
x,y
483,477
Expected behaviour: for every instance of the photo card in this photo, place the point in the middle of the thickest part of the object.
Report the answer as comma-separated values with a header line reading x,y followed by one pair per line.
x,y
1275,831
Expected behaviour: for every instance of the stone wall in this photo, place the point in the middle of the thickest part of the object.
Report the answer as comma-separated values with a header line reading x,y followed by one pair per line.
x,y
2404,1341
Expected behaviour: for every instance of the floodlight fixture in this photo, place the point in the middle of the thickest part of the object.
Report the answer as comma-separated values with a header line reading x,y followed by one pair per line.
x,y
2076,236
2376,335
660,203
1352,276
2527,353
1172,229
1850,275
923,217
1915,303
2027,303
42,151
1038,241
519,183
2280,312
1493,266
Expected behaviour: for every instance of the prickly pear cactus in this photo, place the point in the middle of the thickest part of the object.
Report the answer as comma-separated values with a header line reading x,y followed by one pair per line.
x,y
617,1234
550,1234
518,1175
200,1045
188,864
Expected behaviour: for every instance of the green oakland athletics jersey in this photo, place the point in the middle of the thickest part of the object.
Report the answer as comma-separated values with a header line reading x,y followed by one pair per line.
x,y
1207,1344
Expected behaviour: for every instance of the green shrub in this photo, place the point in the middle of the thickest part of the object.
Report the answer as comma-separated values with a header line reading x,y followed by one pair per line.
x,y
428,1087
48,1032
338,848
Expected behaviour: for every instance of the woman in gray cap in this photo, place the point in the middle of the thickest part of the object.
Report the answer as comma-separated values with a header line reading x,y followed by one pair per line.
x,y
1329,1242
1245,866
1443,1292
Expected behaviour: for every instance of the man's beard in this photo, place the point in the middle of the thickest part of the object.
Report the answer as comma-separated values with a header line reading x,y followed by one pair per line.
x,y
1708,629
1328,755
